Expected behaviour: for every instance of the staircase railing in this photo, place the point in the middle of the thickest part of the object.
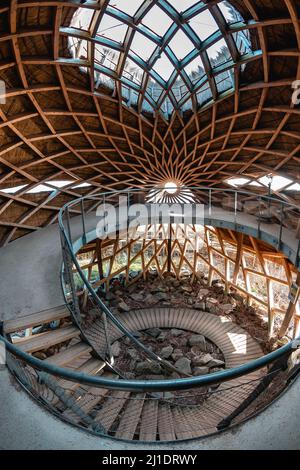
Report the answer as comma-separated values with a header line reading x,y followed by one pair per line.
x,y
41,377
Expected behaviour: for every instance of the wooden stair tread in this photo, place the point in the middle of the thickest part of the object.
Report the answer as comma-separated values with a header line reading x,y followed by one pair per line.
x,y
130,417
67,356
35,319
90,367
111,409
166,427
46,340
182,423
148,428
87,401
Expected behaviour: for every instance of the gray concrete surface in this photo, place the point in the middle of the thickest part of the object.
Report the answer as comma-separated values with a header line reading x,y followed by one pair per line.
x,y
29,282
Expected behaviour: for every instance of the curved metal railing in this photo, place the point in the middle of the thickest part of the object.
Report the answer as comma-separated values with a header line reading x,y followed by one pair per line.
x,y
274,361
268,207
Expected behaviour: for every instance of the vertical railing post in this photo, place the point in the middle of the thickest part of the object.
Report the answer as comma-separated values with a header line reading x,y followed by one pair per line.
x,y
297,255
170,247
259,217
281,227
83,221
68,224
209,203
69,279
235,207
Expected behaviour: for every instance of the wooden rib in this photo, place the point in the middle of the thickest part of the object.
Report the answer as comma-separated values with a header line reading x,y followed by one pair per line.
x,y
71,353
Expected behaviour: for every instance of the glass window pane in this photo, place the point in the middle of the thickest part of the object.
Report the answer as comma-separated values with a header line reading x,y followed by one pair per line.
x,y
128,6
181,45
164,67
142,46
157,21
204,25
112,29
218,53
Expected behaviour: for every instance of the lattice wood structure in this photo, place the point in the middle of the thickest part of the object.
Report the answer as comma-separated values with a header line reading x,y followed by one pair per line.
x,y
58,123
258,272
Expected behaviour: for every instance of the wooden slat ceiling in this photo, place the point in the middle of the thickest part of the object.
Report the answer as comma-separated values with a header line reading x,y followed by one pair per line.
x,y
56,126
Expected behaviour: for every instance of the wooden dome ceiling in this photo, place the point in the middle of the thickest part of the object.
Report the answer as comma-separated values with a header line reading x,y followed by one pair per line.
x,y
57,124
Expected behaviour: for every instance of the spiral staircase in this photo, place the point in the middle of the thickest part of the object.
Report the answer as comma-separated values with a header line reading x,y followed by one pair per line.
x,y
67,366
138,416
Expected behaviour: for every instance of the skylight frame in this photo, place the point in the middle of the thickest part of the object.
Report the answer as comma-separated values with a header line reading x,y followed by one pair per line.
x,y
178,22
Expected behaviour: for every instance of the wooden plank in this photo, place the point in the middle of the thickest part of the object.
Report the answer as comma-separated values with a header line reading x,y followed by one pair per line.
x,y
87,401
182,423
130,418
166,427
148,428
111,409
35,319
45,340
67,356
91,367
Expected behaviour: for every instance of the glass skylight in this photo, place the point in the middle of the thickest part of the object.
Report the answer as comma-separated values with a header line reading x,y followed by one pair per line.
x,y
44,188
294,187
127,6
277,182
204,25
13,190
143,50
157,20
235,182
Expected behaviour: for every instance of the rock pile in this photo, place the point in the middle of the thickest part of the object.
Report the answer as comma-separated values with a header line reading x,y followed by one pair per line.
x,y
191,354
193,293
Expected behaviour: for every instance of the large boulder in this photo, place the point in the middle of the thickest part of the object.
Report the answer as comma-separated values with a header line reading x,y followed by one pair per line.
x,y
166,352
132,353
123,306
175,332
198,340
154,332
162,337
216,363
187,289
161,296
203,292
137,297
203,360
201,370
184,365
200,306
177,354
226,308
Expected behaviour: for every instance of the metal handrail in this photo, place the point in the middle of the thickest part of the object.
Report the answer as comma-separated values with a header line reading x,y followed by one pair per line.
x,y
152,385
139,385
